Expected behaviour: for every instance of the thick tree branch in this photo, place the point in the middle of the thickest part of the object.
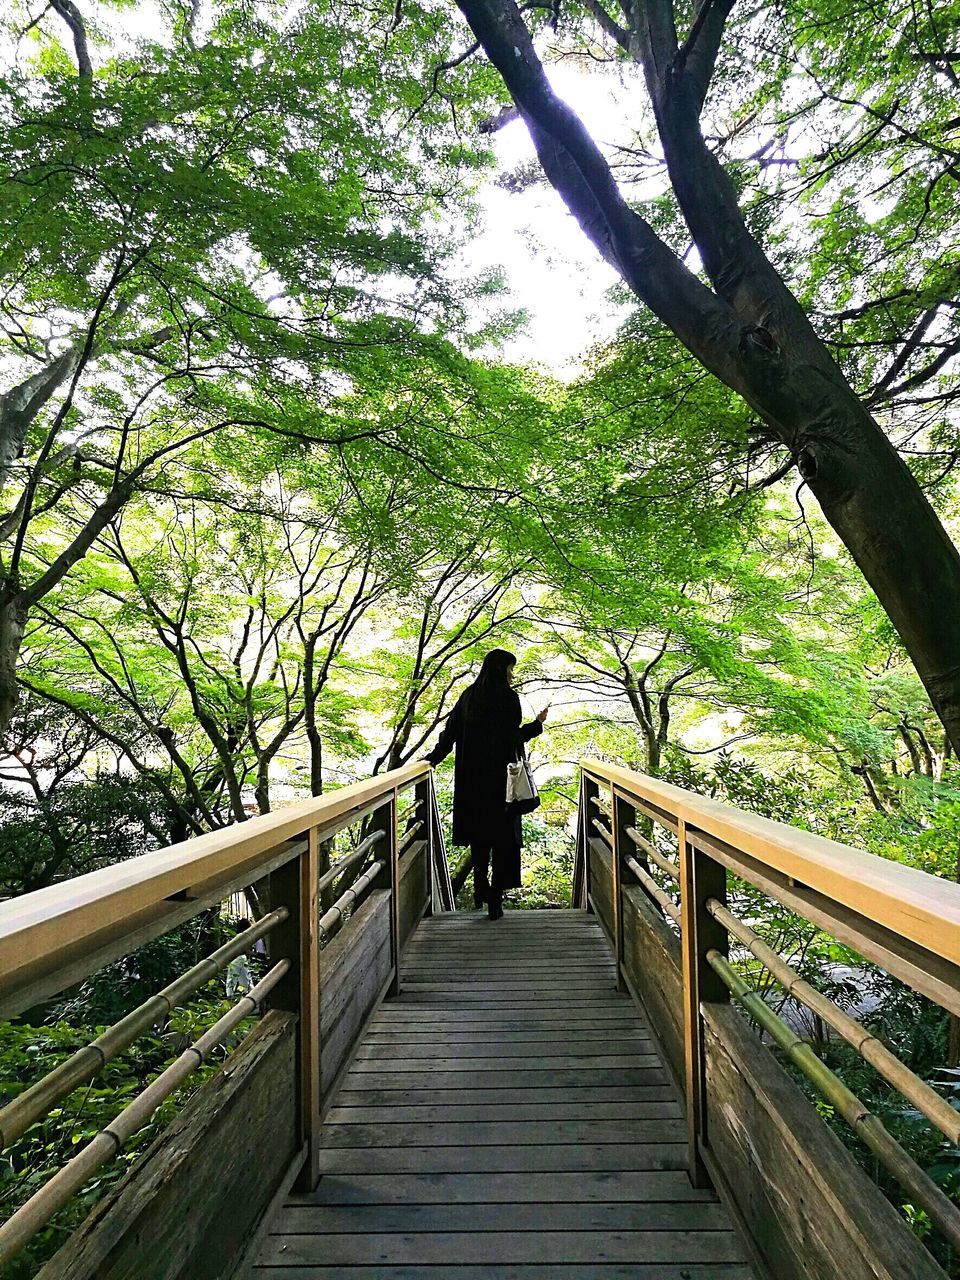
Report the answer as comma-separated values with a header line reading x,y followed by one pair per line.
x,y
943,357
613,29
578,170
20,405
72,16
698,53
911,344
752,332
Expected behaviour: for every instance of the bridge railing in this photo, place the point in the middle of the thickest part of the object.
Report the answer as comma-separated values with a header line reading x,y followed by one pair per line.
x,y
332,940
661,867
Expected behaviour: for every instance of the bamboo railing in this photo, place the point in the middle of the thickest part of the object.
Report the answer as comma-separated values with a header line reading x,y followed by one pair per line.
x,y
54,938
678,848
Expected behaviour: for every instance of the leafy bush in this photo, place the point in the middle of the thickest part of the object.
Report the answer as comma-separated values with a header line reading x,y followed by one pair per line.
x,y
28,1052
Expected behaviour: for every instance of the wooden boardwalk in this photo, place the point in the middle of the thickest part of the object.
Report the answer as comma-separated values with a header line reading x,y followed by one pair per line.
x,y
506,1118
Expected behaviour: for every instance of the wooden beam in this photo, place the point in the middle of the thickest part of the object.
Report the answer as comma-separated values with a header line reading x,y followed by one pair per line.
x,y
930,974
424,805
84,914
700,879
589,791
75,961
909,903
385,819
297,939
623,816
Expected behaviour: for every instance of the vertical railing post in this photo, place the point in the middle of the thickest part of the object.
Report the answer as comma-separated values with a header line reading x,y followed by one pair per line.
x,y
385,820
295,886
576,889
588,811
394,868
700,879
424,812
623,815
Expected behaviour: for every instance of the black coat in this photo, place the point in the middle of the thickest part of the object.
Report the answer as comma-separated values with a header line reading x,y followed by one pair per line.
x,y
486,743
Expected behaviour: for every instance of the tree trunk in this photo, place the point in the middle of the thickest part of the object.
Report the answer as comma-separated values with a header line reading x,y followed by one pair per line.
x,y
862,771
261,792
750,332
928,755
13,619
314,738
911,747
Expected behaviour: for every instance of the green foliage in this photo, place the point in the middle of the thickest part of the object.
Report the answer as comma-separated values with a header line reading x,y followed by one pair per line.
x,y
230,258
28,1052
110,993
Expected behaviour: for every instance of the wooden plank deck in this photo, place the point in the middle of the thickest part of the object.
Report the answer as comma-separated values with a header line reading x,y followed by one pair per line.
x,y
506,1118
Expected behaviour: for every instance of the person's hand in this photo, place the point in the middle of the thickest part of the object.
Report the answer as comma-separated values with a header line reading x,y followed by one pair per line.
x,y
543,714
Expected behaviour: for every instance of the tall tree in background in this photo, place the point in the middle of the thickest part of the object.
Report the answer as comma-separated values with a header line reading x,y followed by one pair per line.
x,y
202,239
456,609
747,327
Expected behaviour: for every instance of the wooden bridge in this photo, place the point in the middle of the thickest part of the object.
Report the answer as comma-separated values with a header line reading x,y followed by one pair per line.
x,y
425,1093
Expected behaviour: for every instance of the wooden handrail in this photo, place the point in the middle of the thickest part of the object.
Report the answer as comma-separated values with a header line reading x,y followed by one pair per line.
x,y
35,1101
24,1224
911,904
868,1127
49,938
901,918
78,915
916,1090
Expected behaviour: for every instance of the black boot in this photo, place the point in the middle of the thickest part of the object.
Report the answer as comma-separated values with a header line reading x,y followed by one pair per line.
x,y
495,905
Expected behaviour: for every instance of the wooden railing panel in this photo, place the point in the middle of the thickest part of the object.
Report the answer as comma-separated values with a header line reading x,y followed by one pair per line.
x,y
811,1210
930,974
600,862
188,1207
77,959
651,960
908,902
355,968
55,937
58,935
414,888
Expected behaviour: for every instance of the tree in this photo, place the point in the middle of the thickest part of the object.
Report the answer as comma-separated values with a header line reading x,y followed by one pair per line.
x,y
457,608
748,329
203,238
63,812
201,642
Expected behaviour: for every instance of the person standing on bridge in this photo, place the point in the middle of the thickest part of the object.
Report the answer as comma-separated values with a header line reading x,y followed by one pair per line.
x,y
485,727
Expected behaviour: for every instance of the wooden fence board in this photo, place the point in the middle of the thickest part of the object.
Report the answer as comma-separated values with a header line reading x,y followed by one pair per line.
x,y
813,1213
353,970
414,888
651,959
223,1157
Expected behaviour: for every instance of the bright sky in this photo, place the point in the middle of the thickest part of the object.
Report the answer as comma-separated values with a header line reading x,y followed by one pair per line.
x,y
553,271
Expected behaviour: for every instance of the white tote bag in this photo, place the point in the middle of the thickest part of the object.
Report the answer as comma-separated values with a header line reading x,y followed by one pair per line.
x,y
522,791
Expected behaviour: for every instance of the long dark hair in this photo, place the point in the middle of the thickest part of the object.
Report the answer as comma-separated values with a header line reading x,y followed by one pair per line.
x,y
491,681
